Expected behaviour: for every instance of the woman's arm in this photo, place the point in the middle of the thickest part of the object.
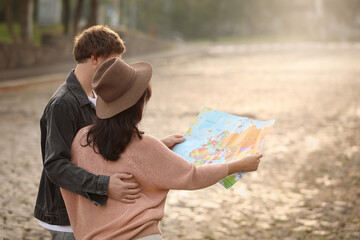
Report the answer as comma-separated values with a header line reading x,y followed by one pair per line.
x,y
165,169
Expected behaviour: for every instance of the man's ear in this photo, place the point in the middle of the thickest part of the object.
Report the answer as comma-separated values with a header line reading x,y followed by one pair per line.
x,y
94,60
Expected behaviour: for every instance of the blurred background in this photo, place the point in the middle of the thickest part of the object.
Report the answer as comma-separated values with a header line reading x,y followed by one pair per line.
x,y
30,29
294,61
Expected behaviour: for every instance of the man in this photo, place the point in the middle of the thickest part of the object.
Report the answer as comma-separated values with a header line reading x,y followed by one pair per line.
x,y
67,111
72,107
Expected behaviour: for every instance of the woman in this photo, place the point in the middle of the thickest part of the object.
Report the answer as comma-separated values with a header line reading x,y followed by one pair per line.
x,y
114,143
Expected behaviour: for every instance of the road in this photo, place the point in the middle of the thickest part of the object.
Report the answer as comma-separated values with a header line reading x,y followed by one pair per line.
x,y
307,186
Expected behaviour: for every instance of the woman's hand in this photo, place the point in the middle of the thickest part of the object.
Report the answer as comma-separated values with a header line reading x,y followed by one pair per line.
x,y
172,140
246,164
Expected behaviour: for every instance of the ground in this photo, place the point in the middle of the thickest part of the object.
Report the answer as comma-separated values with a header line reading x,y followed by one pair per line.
x,y
307,186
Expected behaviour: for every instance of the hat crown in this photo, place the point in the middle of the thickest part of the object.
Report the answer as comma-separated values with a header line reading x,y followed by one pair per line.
x,y
113,79
119,85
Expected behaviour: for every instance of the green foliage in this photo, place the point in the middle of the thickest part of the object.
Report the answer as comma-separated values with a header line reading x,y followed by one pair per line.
x,y
250,20
49,30
38,32
4,33
213,19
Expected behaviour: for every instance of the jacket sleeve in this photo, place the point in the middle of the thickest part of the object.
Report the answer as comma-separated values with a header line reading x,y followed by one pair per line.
x,y
167,170
61,130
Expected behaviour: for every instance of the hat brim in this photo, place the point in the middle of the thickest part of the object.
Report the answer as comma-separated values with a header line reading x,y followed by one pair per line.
x,y
143,73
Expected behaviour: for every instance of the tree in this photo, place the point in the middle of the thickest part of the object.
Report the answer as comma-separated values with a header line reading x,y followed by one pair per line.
x,y
66,16
92,19
26,20
77,15
9,20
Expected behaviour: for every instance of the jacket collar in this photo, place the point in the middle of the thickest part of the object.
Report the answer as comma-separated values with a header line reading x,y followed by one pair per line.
x,y
76,88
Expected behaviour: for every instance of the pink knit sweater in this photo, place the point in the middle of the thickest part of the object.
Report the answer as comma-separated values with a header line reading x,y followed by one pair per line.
x,y
156,168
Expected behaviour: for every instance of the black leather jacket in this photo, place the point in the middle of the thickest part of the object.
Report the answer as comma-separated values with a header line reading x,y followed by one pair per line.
x,y
68,110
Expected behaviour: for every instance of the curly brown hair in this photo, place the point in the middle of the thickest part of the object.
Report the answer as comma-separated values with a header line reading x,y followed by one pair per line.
x,y
99,41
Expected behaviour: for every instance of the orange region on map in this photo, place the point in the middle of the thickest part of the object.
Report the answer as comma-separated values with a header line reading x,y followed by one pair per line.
x,y
230,146
250,138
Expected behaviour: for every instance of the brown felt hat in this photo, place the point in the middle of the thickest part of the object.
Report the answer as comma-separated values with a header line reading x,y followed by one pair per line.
x,y
119,85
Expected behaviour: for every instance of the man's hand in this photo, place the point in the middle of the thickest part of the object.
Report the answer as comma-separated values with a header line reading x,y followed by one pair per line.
x,y
123,187
172,140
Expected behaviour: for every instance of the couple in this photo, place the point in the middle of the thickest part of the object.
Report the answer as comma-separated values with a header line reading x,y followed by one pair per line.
x,y
99,157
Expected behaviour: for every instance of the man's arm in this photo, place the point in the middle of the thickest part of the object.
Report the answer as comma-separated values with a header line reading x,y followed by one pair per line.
x,y
61,131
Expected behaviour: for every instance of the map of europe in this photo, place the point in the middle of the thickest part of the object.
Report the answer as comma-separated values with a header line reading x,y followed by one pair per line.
x,y
217,137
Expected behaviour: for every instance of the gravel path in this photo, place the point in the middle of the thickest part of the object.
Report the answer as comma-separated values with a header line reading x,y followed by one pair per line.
x,y
307,186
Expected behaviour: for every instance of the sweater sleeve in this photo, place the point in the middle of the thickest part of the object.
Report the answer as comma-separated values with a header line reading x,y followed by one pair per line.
x,y
158,165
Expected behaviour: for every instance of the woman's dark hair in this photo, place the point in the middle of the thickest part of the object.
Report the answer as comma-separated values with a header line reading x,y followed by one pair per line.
x,y
109,137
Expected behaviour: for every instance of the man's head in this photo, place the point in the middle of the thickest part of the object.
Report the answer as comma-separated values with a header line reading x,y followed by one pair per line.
x,y
97,41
